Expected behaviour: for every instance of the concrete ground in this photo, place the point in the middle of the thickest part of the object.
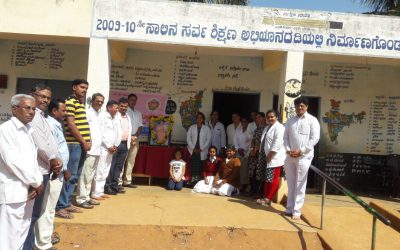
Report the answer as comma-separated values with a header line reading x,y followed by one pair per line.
x,y
161,214
153,218
349,226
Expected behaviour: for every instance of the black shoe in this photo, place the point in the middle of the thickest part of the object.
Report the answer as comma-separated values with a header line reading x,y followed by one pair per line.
x,y
85,205
110,191
129,185
119,190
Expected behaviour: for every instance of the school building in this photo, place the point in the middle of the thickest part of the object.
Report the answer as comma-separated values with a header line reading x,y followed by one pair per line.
x,y
189,57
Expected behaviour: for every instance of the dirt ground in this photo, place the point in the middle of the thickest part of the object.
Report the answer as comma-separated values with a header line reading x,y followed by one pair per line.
x,y
84,236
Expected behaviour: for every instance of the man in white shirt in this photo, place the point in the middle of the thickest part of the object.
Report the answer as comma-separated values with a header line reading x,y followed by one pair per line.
x,y
111,138
231,129
137,124
20,177
302,133
218,135
118,159
92,157
49,162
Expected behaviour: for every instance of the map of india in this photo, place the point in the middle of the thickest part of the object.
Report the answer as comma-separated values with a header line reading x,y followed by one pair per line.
x,y
189,108
336,120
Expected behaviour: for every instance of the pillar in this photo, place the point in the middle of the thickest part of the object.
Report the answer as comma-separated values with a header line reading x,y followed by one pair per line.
x,y
289,89
290,83
98,74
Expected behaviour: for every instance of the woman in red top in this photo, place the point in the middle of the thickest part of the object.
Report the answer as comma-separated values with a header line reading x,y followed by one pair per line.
x,y
210,168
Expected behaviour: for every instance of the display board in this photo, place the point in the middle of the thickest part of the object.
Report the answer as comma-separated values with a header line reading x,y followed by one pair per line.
x,y
358,172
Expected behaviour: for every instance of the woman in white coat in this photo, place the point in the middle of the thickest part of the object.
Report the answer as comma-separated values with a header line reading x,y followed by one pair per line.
x,y
272,156
198,141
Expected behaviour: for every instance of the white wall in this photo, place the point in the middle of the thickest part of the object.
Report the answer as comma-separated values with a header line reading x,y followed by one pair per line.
x,y
210,73
46,17
359,87
29,59
247,27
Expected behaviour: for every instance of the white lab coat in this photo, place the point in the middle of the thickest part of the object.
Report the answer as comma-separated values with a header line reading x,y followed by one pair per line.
x,y
205,139
274,142
230,132
242,140
218,135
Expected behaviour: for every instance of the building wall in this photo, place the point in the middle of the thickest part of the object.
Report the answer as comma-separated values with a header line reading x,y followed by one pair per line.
x,y
46,17
29,59
181,76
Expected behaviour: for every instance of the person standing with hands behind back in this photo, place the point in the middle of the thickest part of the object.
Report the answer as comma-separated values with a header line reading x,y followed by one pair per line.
x,y
77,135
301,135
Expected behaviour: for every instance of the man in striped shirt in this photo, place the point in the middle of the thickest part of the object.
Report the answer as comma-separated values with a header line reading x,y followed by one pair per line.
x,y
77,135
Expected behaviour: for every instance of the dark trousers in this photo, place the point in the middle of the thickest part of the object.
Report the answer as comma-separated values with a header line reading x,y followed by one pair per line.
x,y
117,164
36,213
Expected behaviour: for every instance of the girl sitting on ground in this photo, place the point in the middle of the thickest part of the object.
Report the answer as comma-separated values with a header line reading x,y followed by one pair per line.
x,y
176,171
210,168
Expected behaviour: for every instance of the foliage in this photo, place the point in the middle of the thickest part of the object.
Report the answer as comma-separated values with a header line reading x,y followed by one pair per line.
x,y
386,7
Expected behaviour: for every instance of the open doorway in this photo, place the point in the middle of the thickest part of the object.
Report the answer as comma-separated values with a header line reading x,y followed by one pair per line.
x,y
227,102
60,89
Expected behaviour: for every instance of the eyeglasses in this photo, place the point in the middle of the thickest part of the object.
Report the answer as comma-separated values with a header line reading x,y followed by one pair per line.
x,y
27,108
43,96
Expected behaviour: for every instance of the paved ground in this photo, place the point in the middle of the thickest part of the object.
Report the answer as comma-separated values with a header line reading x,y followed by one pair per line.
x,y
349,226
153,218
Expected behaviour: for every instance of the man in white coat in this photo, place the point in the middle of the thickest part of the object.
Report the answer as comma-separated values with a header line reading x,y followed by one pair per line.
x,y
20,178
198,141
218,135
302,133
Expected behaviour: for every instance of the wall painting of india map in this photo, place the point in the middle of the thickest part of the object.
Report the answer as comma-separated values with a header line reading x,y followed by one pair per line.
x,y
189,108
336,121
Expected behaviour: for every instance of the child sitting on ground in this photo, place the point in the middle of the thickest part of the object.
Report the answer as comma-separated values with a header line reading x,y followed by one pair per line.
x,y
210,168
177,169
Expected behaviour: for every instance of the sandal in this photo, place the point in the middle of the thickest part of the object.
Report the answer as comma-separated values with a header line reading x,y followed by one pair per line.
x,y
98,198
63,214
105,196
73,209
263,202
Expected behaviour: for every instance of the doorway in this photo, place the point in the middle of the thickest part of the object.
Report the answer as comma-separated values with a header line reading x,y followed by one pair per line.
x,y
60,89
227,103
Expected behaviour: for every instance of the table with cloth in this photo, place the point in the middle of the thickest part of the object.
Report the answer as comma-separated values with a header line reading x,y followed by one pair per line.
x,y
153,161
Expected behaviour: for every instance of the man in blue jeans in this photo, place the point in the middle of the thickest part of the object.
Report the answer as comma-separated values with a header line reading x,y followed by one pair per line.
x,y
77,135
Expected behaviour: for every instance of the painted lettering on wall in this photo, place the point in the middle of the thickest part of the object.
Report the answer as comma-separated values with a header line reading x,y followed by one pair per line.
x,y
27,53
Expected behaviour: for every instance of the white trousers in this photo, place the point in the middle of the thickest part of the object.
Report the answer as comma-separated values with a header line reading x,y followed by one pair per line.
x,y
130,163
202,187
44,225
225,190
15,220
103,169
296,170
85,180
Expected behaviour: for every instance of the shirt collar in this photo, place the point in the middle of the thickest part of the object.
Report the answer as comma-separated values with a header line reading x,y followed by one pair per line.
x,y
303,116
19,125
